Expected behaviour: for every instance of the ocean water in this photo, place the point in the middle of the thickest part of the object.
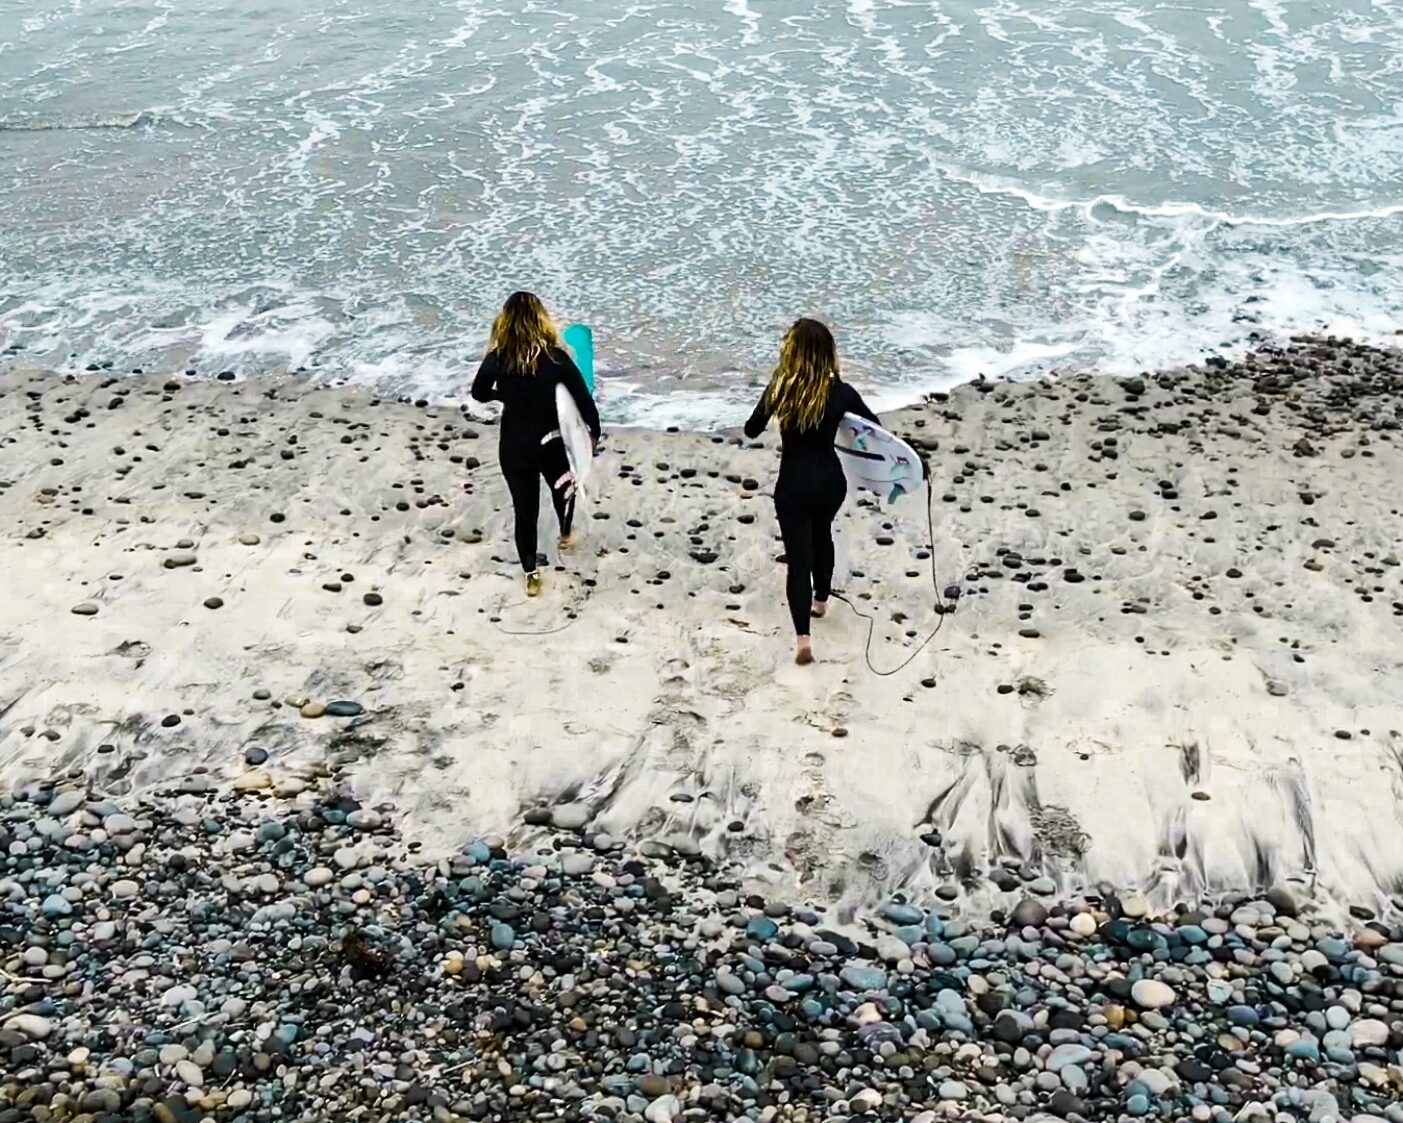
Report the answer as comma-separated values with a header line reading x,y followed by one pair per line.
x,y
1011,187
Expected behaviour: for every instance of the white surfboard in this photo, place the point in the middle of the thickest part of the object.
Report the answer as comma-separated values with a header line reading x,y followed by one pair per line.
x,y
579,447
875,460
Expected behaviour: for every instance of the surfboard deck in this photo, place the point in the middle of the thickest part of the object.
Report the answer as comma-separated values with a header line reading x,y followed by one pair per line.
x,y
579,446
876,460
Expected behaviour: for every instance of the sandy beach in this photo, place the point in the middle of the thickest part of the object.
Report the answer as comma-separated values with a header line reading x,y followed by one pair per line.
x,y
1174,669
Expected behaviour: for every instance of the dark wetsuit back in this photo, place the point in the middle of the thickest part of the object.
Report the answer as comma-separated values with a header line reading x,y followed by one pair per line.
x,y
530,446
808,494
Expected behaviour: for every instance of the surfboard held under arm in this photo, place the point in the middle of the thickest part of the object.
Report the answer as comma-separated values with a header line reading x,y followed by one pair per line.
x,y
579,445
876,460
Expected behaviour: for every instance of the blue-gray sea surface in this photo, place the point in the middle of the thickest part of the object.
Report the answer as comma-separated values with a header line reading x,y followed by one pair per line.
x,y
1006,186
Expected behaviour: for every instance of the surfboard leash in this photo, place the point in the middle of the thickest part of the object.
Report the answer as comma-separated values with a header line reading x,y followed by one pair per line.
x,y
943,606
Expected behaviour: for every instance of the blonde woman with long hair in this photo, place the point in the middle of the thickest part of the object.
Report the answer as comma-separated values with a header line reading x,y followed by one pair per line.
x,y
807,399
525,362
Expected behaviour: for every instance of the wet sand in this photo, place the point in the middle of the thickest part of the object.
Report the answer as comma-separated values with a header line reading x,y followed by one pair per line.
x,y
1174,668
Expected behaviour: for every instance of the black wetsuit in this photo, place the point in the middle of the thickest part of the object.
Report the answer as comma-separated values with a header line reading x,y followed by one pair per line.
x,y
530,445
810,489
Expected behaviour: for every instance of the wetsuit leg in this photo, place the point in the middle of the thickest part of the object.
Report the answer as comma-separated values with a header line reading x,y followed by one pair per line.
x,y
525,488
822,530
796,528
555,470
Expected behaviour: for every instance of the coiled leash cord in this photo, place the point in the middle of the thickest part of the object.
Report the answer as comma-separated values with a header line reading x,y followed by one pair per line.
x,y
944,603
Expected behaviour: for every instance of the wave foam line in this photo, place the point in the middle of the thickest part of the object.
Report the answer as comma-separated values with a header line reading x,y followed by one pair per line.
x,y
992,185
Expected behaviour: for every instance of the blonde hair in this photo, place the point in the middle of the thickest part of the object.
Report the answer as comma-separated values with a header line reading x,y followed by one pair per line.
x,y
808,364
522,332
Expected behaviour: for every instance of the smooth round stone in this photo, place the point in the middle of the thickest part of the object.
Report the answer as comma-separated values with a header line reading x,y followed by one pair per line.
x,y
1218,991
899,913
35,957
503,936
664,1109
1042,886
65,803
173,1054
125,889
344,709
1305,1049
1282,973
730,983
1138,1104
118,825
317,877
1083,924
364,819
1067,1055
255,756
266,883
1152,994
577,864
1312,960
346,857
869,1099
31,1026
952,1090
761,928
313,710
239,1099
190,1073
777,994
1135,907
55,906
1028,914
570,816
864,978
1368,1032
1337,1017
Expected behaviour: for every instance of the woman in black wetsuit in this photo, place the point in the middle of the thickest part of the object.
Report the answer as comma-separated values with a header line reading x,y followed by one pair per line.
x,y
807,399
525,362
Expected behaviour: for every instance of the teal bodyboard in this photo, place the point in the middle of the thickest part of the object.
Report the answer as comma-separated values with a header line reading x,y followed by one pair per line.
x,y
579,340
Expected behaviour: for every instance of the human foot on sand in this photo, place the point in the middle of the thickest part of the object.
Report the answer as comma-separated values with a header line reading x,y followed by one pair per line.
x,y
567,541
533,584
804,654
818,609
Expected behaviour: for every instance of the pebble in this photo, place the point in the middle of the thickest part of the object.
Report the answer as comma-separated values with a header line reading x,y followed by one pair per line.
x,y
302,950
570,816
1152,994
31,1026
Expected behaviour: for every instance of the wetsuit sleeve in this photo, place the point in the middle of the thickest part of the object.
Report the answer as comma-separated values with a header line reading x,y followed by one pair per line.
x,y
760,418
485,384
853,403
575,382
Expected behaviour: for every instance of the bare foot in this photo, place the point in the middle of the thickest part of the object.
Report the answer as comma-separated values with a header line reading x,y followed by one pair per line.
x,y
567,541
819,609
804,655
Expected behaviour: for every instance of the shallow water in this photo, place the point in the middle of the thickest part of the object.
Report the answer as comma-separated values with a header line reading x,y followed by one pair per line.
x,y
1006,186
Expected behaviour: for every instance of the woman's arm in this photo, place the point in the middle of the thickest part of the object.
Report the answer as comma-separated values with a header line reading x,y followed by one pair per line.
x,y
575,382
853,403
485,384
760,417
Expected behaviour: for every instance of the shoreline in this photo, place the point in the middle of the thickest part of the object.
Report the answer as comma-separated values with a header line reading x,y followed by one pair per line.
x,y
1208,638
